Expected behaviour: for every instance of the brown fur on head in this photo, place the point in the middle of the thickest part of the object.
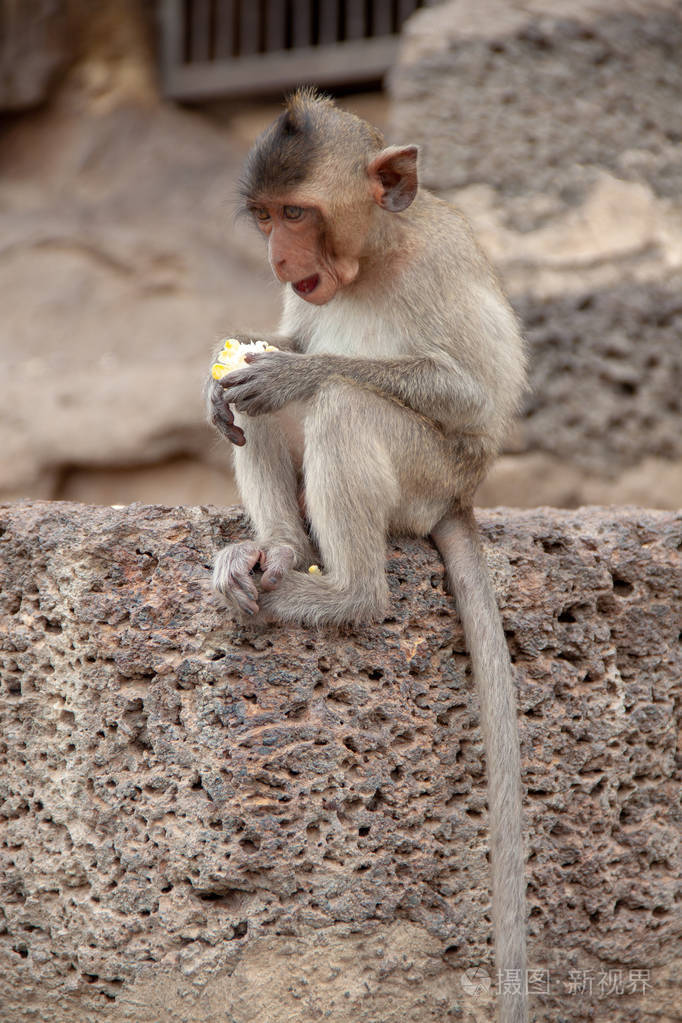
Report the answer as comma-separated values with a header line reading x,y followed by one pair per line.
x,y
298,145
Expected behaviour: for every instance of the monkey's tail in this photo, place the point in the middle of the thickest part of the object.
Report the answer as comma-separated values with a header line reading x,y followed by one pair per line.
x,y
457,538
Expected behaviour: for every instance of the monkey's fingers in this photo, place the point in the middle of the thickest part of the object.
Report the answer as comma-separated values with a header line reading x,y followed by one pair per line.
x,y
232,578
236,378
276,562
247,398
223,418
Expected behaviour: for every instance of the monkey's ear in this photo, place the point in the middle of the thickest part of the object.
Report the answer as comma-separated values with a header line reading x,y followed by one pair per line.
x,y
393,177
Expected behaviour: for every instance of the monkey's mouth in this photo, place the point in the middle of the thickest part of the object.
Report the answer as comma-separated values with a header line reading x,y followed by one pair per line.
x,y
307,285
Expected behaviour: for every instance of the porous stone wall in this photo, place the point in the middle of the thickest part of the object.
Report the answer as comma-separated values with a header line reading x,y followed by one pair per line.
x,y
203,821
556,128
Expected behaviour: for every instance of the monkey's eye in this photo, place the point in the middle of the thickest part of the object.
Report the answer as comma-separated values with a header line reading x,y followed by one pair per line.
x,y
292,212
260,213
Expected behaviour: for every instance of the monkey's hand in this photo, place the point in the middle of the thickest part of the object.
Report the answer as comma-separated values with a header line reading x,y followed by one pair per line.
x,y
220,414
269,381
233,577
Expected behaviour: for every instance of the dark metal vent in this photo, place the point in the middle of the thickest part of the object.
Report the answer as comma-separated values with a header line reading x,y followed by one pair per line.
x,y
226,47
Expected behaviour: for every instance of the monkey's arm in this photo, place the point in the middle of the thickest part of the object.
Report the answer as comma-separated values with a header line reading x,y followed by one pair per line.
x,y
440,390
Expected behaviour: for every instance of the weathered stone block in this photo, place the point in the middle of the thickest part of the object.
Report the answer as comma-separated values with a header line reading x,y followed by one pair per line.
x,y
533,97
204,822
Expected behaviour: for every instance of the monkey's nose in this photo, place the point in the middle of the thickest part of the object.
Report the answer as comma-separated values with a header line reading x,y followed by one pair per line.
x,y
279,268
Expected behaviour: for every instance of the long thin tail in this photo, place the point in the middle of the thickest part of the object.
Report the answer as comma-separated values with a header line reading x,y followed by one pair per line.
x,y
458,541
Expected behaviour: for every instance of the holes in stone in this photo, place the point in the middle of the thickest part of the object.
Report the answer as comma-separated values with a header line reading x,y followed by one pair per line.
x,y
621,586
397,773
364,830
375,801
21,950
350,743
375,674
239,930
249,845
552,546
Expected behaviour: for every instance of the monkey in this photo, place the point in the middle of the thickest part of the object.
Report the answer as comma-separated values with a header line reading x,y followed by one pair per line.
x,y
400,367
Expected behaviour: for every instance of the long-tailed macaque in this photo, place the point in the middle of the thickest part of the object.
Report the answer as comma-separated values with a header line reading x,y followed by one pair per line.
x,y
399,370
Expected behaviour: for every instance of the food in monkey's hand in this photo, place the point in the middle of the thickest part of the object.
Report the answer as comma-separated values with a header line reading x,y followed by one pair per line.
x,y
233,355
315,570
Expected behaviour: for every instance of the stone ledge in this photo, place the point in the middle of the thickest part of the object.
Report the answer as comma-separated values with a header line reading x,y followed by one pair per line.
x,y
203,822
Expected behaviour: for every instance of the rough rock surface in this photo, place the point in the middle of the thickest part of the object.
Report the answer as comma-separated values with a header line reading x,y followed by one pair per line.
x,y
203,822
556,128
609,360
533,75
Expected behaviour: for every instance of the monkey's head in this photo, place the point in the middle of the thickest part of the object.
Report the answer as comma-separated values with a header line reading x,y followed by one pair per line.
x,y
316,182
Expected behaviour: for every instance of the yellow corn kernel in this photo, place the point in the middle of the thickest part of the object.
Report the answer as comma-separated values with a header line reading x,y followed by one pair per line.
x,y
233,355
218,371
315,570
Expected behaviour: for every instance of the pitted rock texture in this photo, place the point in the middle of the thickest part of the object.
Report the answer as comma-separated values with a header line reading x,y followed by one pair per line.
x,y
556,129
201,821
606,369
532,76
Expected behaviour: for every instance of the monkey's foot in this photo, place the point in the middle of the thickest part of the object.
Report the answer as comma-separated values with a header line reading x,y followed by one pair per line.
x,y
233,578
318,599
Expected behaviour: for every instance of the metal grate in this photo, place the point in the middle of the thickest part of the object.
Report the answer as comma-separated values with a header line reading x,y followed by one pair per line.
x,y
227,47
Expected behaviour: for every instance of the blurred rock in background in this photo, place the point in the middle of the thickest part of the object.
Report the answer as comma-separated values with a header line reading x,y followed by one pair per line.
x,y
555,128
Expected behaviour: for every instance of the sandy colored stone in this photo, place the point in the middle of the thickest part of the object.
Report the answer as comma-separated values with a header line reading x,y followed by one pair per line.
x,y
199,821
557,132
533,98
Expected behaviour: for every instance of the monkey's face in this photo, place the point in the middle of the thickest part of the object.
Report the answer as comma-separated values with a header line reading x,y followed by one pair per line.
x,y
303,252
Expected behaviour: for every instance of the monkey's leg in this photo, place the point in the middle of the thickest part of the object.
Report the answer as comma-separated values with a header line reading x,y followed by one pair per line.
x,y
267,479
358,447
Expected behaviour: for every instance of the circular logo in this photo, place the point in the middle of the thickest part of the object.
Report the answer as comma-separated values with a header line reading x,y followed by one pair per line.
x,y
476,981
